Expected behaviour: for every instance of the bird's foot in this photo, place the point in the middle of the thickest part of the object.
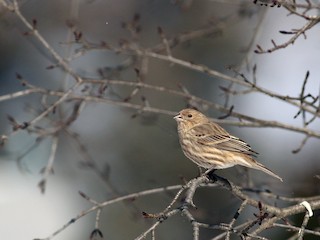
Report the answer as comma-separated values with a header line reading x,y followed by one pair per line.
x,y
210,174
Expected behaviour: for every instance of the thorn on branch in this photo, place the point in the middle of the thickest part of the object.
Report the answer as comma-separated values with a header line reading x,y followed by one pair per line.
x,y
34,24
102,89
165,41
270,3
42,185
3,140
228,114
297,114
50,67
304,141
23,82
85,88
302,99
54,110
86,197
18,76
149,215
305,82
262,215
77,35
82,194
15,125
254,74
259,49
73,220
24,125
42,171
137,72
12,120
95,234
286,32
133,26
183,88
34,27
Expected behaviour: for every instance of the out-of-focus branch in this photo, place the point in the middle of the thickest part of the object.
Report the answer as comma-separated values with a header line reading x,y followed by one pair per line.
x,y
84,91
49,167
296,34
268,217
297,9
213,73
14,7
246,121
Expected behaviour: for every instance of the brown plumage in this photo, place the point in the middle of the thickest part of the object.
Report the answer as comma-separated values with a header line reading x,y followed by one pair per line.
x,y
210,146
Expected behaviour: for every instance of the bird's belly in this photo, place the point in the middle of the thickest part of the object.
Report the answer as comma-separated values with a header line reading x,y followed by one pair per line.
x,y
206,157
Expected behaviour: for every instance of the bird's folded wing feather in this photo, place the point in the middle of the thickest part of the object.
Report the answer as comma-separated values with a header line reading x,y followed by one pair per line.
x,y
217,137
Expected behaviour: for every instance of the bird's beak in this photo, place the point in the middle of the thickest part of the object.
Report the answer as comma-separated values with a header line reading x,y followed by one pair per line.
x,y
178,118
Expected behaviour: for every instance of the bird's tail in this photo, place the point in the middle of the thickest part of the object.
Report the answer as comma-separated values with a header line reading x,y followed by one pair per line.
x,y
261,167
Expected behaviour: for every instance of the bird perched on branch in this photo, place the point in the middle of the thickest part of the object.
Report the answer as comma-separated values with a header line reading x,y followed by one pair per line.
x,y
210,146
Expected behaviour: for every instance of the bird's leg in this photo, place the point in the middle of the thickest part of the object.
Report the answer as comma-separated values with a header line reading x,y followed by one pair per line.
x,y
210,170
213,177
210,174
200,171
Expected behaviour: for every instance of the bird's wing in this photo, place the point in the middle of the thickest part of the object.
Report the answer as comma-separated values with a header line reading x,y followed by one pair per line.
x,y
215,136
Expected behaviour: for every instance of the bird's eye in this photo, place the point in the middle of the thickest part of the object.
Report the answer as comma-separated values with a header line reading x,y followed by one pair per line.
x,y
189,115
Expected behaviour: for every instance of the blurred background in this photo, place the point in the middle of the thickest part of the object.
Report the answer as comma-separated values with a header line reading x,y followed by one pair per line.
x,y
134,151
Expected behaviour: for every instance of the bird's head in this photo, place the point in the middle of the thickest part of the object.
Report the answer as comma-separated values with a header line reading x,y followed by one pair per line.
x,y
188,118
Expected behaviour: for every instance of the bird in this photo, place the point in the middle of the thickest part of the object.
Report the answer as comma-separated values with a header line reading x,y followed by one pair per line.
x,y
210,146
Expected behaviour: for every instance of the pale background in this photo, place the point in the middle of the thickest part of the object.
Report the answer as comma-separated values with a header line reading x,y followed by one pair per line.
x,y
144,154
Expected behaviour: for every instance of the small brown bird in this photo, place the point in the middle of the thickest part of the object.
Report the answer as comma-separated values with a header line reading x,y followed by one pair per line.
x,y
210,146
